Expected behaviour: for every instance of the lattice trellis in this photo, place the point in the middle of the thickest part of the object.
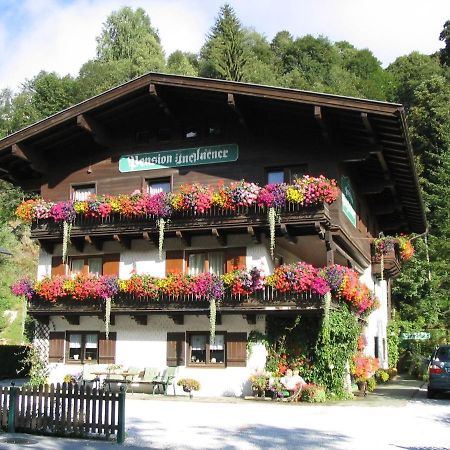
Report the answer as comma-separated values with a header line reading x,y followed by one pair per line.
x,y
41,339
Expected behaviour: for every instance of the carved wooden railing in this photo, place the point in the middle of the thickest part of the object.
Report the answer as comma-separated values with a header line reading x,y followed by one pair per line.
x,y
267,299
389,264
291,214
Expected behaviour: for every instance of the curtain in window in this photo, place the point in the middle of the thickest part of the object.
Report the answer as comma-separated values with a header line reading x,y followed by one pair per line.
x,y
216,262
83,193
196,263
76,266
95,266
75,341
198,342
219,342
156,188
91,341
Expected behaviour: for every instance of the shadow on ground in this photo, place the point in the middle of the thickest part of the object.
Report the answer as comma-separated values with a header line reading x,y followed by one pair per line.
x,y
147,434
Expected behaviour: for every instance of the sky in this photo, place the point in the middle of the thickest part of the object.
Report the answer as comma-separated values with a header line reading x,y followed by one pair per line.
x,y
59,35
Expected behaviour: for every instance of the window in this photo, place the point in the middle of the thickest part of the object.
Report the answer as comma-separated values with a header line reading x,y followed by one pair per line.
x,y
157,186
82,347
287,174
83,192
275,176
86,265
201,352
210,261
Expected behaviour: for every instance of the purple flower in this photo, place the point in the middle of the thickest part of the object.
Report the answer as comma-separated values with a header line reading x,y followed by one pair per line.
x,y
23,287
62,211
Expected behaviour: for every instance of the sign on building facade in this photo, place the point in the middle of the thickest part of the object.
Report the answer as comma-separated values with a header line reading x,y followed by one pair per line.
x,y
348,200
214,154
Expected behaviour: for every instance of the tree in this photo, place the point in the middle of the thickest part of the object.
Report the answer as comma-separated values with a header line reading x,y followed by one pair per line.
x,y
408,72
181,63
224,54
128,35
444,53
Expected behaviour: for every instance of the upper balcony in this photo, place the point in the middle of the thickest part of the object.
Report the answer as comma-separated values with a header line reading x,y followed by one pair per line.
x,y
297,209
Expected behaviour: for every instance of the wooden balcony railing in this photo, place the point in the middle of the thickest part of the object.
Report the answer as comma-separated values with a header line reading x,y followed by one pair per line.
x,y
292,214
391,265
264,301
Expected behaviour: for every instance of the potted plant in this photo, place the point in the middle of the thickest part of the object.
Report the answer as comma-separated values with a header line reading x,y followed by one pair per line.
x,y
260,383
189,385
364,368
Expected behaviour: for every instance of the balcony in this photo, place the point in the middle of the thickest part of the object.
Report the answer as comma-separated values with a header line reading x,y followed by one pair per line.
x,y
265,301
391,265
294,220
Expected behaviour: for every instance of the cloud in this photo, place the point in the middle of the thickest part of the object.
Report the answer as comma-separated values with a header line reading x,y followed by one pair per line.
x,y
59,35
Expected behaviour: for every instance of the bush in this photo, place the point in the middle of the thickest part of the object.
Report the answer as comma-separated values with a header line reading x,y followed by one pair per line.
x,y
313,393
371,384
382,376
189,384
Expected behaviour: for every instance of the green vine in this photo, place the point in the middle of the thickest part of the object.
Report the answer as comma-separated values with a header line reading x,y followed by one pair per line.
x,y
334,348
393,343
38,367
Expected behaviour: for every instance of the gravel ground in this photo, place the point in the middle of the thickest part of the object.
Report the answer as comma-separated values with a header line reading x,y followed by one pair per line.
x,y
397,416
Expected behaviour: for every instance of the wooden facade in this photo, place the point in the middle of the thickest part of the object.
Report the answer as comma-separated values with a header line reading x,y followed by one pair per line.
x,y
362,144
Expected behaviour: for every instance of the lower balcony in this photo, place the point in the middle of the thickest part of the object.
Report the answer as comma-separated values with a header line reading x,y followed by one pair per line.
x,y
265,301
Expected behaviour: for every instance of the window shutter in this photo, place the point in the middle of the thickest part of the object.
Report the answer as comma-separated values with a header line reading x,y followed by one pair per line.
x,y
174,261
236,349
57,341
58,268
107,348
176,347
236,258
111,264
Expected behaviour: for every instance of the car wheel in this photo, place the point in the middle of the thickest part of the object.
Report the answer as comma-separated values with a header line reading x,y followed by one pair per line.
x,y
431,393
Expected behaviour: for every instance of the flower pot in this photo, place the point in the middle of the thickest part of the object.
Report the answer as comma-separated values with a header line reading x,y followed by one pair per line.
x,y
362,388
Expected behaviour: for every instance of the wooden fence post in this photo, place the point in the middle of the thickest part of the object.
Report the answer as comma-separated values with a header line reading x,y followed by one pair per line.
x,y
12,408
121,417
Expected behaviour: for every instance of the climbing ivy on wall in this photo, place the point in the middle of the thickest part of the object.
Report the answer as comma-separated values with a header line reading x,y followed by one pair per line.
x,y
335,346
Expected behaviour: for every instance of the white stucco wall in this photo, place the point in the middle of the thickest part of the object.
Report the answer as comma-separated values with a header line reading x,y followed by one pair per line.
x,y
143,257
377,321
145,346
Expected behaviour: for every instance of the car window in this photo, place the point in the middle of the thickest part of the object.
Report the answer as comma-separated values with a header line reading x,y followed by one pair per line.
x,y
443,354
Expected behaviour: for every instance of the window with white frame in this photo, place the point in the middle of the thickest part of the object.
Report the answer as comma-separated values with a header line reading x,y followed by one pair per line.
x,y
208,261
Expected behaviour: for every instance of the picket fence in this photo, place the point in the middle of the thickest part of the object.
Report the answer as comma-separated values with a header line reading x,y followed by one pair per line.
x,y
63,410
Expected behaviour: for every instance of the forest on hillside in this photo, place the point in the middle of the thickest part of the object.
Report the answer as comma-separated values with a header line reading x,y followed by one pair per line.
x,y
129,46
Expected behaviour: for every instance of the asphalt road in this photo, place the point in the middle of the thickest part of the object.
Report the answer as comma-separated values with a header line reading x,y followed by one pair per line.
x,y
398,416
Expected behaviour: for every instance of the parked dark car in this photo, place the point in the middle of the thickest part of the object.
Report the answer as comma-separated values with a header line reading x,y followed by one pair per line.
x,y
439,371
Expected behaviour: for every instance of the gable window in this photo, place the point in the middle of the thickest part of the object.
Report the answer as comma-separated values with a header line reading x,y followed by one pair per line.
x,y
208,261
202,352
82,347
83,191
157,186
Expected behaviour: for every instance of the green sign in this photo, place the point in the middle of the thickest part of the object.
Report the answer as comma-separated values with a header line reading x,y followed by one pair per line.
x,y
348,200
179,158
418,336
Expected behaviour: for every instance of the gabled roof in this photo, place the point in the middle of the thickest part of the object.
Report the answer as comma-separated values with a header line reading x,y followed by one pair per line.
x,y
372,134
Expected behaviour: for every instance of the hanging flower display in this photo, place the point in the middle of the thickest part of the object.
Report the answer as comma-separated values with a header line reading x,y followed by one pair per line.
x,y
384,245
